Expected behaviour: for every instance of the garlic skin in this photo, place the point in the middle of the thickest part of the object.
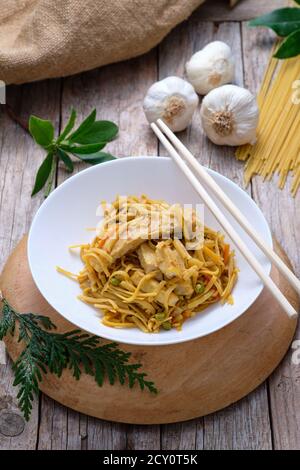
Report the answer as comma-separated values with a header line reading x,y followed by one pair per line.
x,y
173,100
211,67
230,115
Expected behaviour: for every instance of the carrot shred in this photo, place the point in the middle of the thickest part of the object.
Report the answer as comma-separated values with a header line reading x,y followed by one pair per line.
x,y
101,242
226,253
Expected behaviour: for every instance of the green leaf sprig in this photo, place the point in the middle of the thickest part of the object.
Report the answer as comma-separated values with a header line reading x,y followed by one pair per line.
x,y
286,23
48,351
85,143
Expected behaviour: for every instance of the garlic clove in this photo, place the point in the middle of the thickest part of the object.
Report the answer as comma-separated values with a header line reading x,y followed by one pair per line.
x,y
173,100
229,116
211,67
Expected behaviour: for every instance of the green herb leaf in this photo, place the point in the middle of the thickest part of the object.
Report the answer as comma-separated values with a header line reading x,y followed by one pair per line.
x,y
43,174
8,321
83,149
49,351
28,374
86,124
85,143
290,47
41,130
68,128
99,131
96,158
283,21
64,157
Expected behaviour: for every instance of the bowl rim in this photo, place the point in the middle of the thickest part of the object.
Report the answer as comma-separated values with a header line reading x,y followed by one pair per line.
x,y
123,160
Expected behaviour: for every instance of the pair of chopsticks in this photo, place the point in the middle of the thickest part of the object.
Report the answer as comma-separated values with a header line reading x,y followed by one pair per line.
x,y
160,128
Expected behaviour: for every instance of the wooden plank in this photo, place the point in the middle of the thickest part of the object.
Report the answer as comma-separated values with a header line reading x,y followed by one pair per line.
x,y
105,435
242,426
219,10
77,431
117,91
282,213
61,428
181,436
245,419
19,160
143,437
53,429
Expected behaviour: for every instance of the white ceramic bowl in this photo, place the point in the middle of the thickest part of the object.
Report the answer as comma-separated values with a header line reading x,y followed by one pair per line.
x,y
64,217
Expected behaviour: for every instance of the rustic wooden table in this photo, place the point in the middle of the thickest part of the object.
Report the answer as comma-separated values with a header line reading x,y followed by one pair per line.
x,y
270,416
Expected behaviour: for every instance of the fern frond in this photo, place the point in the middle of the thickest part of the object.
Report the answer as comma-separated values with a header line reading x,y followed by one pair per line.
x,y
46,350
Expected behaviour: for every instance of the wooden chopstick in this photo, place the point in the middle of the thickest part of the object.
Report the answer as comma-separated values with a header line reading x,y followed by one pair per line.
x,y
267,281
234,211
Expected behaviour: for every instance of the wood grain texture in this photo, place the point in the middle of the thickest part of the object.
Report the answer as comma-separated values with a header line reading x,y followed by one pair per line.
x,y
242,426
243,355
117,92
182,436
282,213
19,161
173,54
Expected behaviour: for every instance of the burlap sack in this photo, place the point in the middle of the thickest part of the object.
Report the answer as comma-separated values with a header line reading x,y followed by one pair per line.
x,y
50,38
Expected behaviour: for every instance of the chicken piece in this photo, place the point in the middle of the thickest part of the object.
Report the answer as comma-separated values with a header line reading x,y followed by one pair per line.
x,y
184,288
168,260
147,257
151,285
130,235
182,251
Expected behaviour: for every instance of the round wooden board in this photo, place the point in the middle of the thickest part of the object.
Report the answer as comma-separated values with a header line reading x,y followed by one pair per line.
x,y
194,378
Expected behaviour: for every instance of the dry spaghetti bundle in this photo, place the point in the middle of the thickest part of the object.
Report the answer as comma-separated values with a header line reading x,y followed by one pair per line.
x,y
277,149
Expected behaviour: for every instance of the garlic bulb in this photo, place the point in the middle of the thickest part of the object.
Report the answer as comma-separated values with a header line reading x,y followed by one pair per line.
x,y
172,99
211,67
229,115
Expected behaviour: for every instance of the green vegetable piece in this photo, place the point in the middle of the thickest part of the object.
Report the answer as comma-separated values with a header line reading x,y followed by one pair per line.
x,y
115,281
199,288
160,316
166,325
